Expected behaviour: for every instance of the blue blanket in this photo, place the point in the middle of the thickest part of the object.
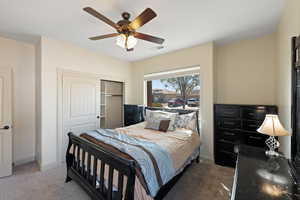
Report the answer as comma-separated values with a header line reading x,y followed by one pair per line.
x,y
155,161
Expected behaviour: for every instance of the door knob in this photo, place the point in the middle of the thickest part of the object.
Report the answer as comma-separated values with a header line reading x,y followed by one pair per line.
x,y
5,128
98,117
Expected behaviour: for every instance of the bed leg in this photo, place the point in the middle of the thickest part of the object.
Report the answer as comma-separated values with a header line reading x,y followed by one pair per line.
x,y
198,159
69,159
68,179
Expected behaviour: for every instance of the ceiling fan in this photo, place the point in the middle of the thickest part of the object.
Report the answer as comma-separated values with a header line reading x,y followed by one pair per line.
x,y
126,30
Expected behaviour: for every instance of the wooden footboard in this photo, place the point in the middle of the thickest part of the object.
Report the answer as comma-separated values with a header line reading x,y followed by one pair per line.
x,y
82,167
82,159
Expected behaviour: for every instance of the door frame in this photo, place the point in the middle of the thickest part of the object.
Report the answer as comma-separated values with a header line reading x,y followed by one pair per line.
x,y
10,73
61,73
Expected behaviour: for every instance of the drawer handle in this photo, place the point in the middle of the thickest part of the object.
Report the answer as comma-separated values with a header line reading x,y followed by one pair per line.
x,y
228,133
227,152
225,141
229,123
255,138
253,125
228,113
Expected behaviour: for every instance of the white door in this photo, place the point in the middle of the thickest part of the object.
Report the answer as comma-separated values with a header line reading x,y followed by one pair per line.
x,y
5,123
81,107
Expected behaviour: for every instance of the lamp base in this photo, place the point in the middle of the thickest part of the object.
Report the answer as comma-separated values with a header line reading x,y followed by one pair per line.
x,y
272,153
273,144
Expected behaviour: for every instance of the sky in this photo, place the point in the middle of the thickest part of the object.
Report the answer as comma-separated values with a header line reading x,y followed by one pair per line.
x,y
156,84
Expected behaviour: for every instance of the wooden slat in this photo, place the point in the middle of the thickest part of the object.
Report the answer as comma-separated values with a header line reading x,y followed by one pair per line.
x,y
88,175
102,169
110,183
74,153
95,165
83,163
130,187
120,184
78,158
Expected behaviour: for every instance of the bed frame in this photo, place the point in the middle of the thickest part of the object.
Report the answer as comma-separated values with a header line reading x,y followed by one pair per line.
x,y
86,177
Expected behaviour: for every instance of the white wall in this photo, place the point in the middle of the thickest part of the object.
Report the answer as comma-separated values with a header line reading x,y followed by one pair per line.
x,y
62,55
289,26
202,56
246,71
21,58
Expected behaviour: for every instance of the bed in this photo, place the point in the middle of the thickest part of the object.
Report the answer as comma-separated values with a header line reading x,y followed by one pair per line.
x,y
108,172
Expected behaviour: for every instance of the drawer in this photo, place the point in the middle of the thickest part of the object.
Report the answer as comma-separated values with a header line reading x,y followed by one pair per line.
x,y
228,146
255,114
229,123
227,135
251,125
225,158
228,111
257,140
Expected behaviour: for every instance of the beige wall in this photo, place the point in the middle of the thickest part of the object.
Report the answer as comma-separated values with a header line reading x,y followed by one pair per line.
x,y
289,26
201,56
62,55
246,72
20,57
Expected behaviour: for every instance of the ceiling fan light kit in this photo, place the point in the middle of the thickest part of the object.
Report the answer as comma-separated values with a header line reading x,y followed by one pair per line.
x,y
126,42
126,30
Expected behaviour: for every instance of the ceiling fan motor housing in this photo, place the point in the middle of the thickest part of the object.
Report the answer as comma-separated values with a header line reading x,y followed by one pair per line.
x,y
124,25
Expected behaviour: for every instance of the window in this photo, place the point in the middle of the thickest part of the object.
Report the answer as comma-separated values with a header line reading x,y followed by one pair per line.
x,y
180,92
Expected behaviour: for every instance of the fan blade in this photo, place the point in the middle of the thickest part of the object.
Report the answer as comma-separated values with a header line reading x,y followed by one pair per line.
x,y
101,17
104,36
143,18
148,38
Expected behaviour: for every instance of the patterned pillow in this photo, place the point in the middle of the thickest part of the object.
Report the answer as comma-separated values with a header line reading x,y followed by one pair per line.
x,y
150,115
188,121
158,124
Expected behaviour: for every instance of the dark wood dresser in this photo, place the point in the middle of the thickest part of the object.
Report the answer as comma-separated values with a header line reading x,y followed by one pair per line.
x,y
258,177
235,125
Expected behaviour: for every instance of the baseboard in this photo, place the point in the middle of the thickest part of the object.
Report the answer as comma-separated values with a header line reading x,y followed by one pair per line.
x,y
48,166
207,160
24,161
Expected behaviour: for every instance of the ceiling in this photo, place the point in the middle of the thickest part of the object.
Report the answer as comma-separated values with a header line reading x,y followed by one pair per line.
x,y
183,23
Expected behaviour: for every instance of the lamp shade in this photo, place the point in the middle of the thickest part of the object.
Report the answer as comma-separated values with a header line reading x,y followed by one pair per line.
x,y
272,126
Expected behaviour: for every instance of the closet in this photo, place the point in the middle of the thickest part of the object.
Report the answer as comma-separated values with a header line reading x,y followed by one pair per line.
x,y
112,101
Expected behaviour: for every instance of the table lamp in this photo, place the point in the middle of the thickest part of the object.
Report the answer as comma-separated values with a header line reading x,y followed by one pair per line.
x,y
272,127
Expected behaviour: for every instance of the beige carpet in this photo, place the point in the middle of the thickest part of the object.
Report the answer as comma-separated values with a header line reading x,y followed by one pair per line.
x,y
201,181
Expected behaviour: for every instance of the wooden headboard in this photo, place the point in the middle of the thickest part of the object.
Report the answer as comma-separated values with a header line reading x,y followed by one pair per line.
x,y
180,111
